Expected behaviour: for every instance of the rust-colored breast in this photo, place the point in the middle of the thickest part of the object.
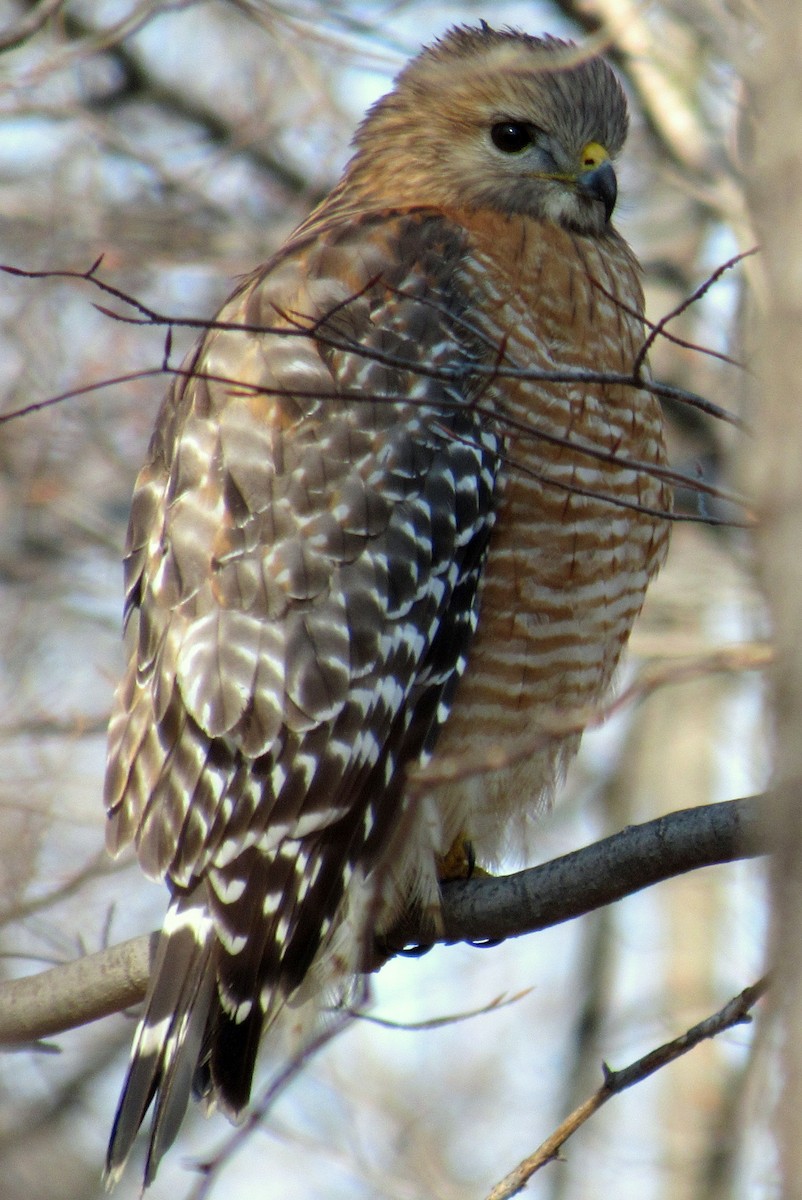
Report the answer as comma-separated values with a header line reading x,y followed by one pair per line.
x,y
577,536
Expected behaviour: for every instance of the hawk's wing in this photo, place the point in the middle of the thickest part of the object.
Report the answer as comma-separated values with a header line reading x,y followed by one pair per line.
x,y
304,555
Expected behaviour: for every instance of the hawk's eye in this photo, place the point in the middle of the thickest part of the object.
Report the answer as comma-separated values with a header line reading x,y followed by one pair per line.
x,y
511,137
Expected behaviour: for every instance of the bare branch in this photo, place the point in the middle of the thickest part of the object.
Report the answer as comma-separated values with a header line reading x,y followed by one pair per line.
x,y
104,37
139,81
492,909
480,910
299,324
494,1005
30,24
210,1168
75,993
735,1012
659,329
302,325
99,864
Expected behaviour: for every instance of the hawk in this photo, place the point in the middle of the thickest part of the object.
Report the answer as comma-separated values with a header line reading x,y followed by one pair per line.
x,y
393,509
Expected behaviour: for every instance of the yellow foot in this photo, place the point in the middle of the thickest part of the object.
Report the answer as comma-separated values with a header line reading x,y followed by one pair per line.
x,y
460,862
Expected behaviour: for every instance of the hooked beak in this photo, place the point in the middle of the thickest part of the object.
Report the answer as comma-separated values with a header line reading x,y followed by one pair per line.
x,y
600,184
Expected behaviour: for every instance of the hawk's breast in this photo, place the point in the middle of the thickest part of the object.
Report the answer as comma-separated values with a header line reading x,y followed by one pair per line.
x,y
578,530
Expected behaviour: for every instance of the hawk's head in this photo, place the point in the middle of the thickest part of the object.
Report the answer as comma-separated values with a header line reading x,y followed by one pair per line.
x,y
498,119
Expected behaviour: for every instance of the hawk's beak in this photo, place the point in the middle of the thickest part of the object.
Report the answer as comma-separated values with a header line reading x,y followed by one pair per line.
x,y
601,184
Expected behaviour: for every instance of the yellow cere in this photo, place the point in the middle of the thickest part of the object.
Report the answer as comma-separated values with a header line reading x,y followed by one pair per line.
x,y
592,156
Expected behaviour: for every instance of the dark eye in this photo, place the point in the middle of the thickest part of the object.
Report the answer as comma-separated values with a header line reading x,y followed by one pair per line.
x,y
511,137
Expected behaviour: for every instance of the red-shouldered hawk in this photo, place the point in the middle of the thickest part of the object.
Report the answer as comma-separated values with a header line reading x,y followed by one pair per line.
x,y
367,532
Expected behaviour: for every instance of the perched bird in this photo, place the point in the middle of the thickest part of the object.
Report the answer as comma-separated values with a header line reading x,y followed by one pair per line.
x,y
392,510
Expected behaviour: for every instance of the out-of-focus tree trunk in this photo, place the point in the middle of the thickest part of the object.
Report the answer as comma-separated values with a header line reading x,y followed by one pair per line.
x,y
775,196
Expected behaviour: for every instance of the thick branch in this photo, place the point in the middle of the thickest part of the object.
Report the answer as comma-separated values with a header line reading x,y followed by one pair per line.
x,y
475,910
76,993
482,909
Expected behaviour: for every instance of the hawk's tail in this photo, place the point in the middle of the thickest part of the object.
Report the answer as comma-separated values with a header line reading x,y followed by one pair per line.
x,y
169,1038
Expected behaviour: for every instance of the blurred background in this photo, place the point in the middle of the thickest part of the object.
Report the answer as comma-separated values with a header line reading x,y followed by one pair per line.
x,y
182,142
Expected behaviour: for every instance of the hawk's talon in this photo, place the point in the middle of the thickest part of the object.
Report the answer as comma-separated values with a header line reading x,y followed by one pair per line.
x,y
459,862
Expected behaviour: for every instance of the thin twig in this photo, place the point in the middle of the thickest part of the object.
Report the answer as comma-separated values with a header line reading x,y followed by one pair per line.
x,y
300,326
31,23
494,1005
210,1168
99,865
735,1012
659,329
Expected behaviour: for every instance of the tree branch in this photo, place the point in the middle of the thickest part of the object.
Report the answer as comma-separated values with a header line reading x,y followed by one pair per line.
x,y
493,909
481,911
734,1012
76,993
19,31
